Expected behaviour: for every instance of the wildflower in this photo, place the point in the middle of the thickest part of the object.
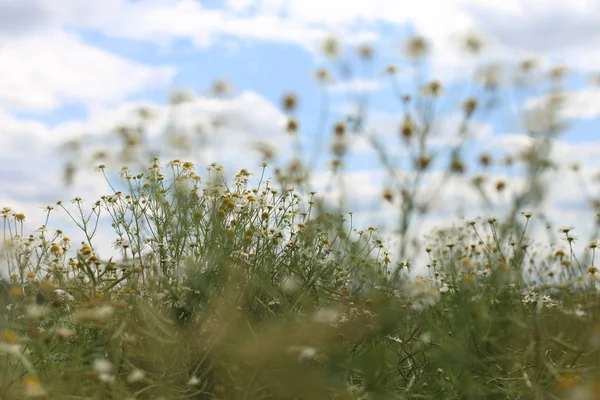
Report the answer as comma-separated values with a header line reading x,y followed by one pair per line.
x,y
63,333
391,69
326,316
485,159
558,72
291,284
528,65
304,352
365,52
485,272
331,47
566,229
417,47
490,76
100,314
388,195
188,166
548,302
37,312
473,43
135,376
33,388
323,75
469,106
193,381
579,312
221,87
423,293
433,89
407,128
567,381
395,339
180,97
146,251
9,336
500,185
290,102
530,297
292,125
122,244
103,369
339,129
425,338
339,147
55,249
423,162
456,165
86,250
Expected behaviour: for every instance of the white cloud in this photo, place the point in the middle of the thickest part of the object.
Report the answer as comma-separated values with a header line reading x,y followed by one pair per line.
x,y
43,72
583,104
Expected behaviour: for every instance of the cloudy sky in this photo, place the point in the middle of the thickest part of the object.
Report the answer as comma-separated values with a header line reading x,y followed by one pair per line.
x,y
72,69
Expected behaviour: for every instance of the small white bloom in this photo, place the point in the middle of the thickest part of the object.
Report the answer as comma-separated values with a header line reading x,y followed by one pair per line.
x,y
122,244
425,338
64,333
424,294
100,314
146,251
304,352
103,369
307,353
135,376
193,381
13,349
291,284
548,302
395,339
326,316
37,312
580,313
530,297
485,272
63,295
33,388
102,366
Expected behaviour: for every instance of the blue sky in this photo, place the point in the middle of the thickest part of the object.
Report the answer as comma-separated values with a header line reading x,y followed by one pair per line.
x,y
69,68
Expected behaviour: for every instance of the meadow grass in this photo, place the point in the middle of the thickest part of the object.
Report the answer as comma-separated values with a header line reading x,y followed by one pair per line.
x,y
254,289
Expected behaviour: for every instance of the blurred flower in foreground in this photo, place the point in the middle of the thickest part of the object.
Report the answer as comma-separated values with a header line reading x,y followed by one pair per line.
x,y
33,388
423,293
